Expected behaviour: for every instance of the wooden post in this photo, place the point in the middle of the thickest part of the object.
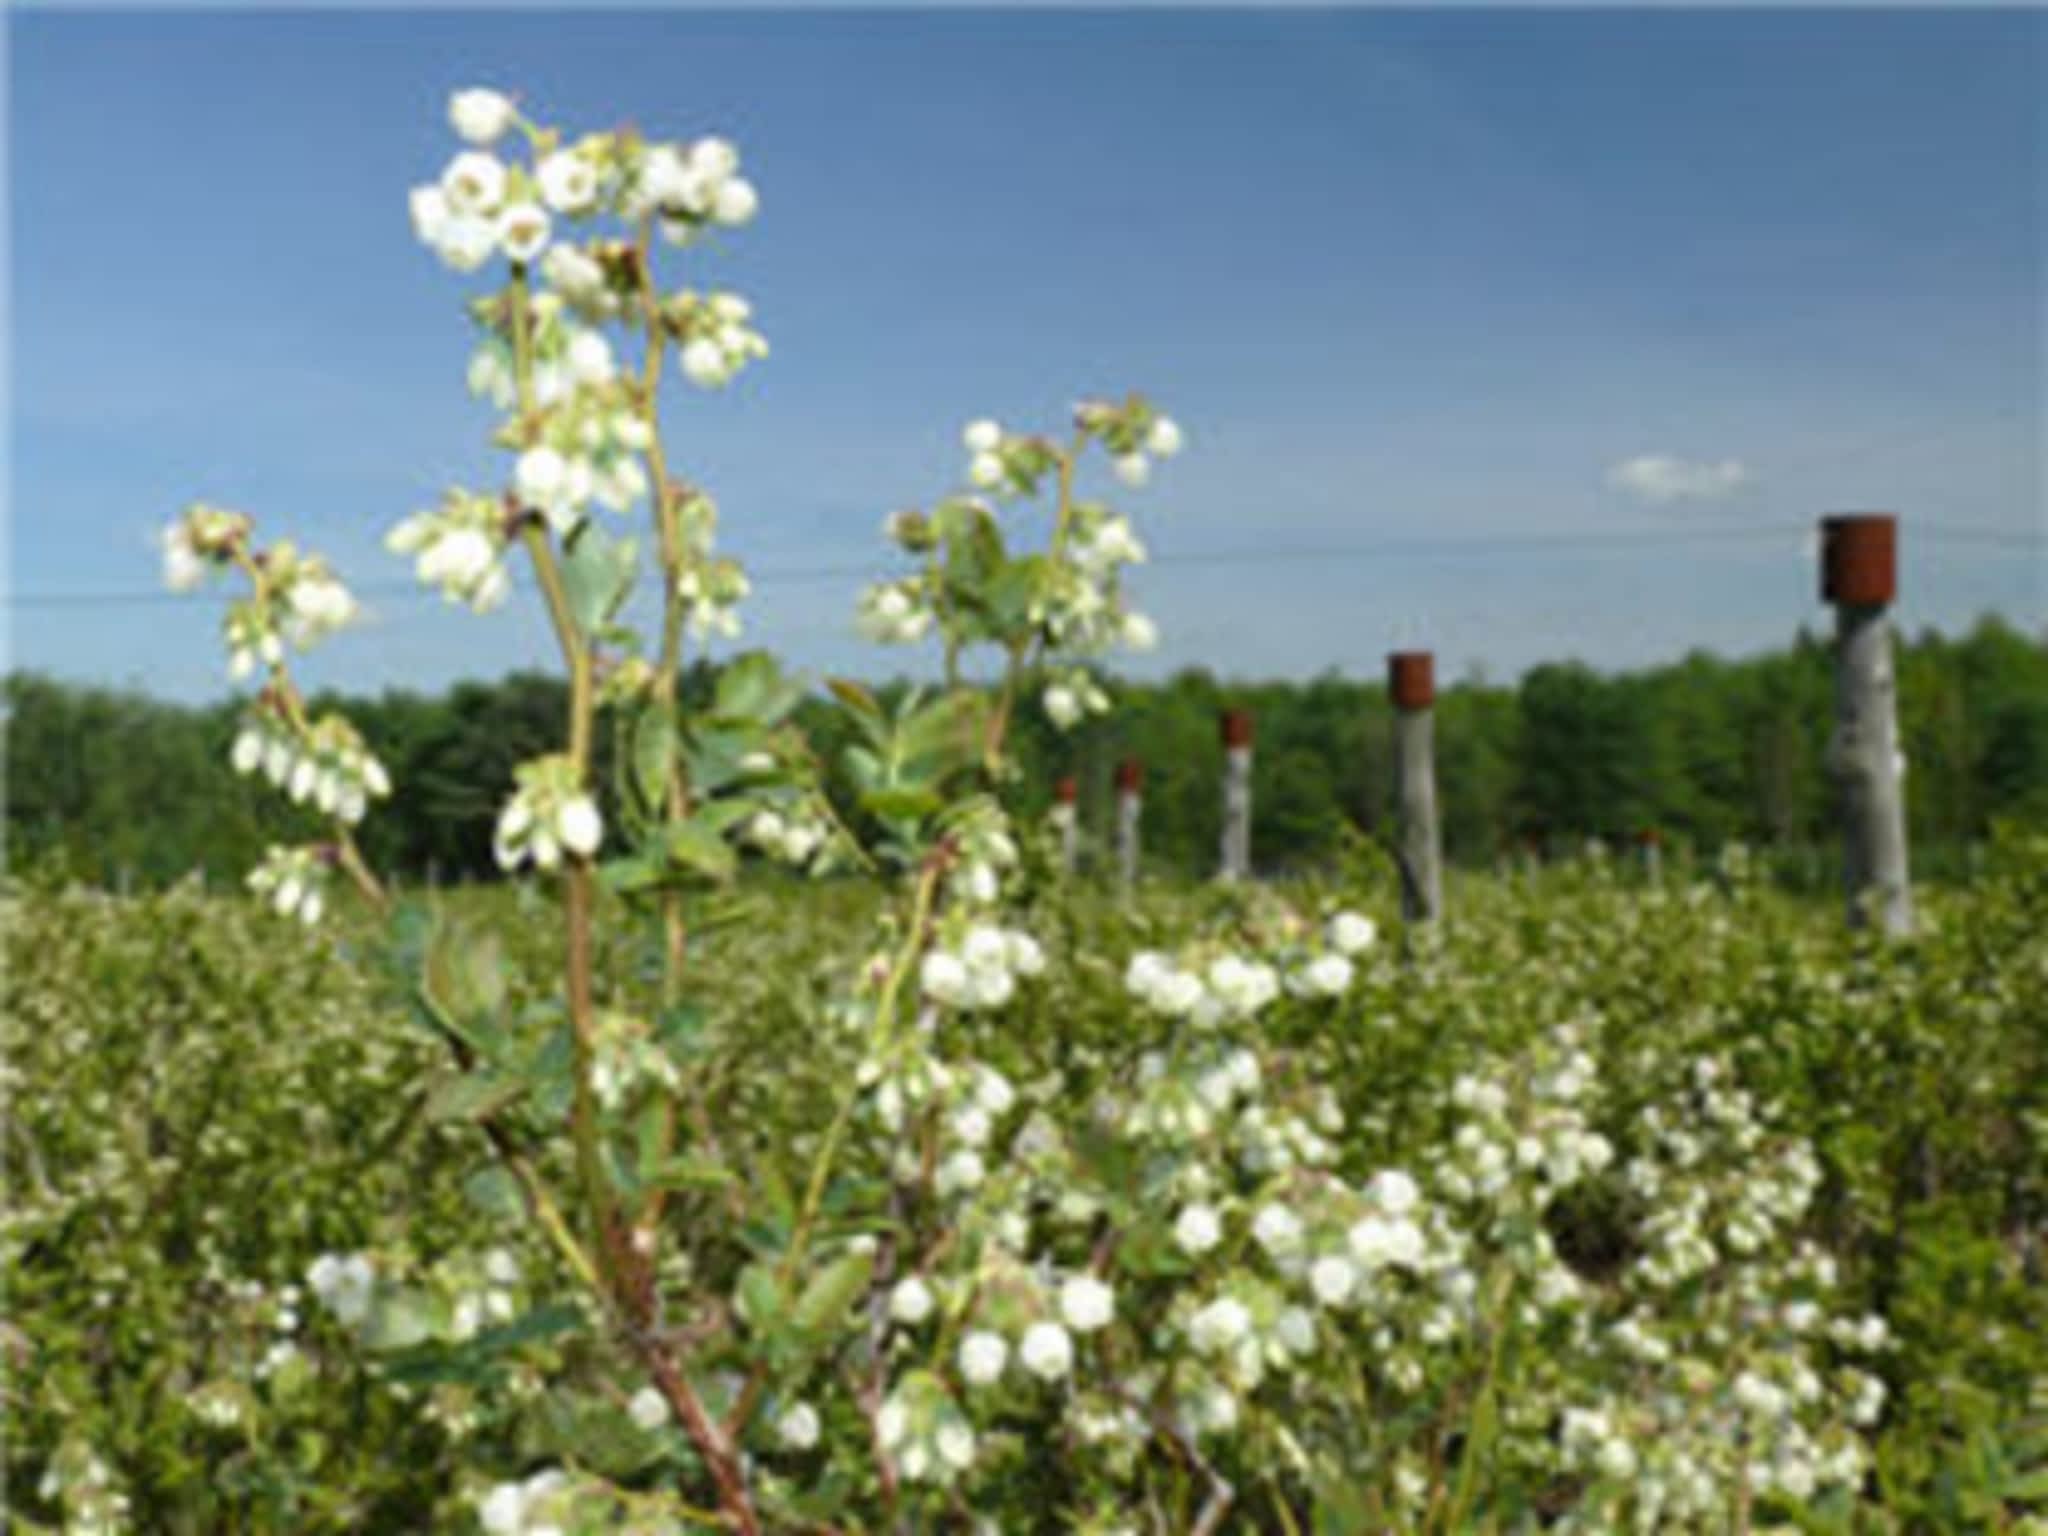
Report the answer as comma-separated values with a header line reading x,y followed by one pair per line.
x,y
1066,820
1652,844
1859,575
1411,679
1237,795
1130,800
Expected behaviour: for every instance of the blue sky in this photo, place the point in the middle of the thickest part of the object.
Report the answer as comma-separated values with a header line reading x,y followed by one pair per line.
x,y
1414,283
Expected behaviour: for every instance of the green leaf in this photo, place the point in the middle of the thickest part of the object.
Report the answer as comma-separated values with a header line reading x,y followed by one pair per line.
x,y
858,700
654,749
863,767
472,1096
680,1030
900,804
632,872
715,757
832,1290
752,688
494,1192
687,1173
698,847
550,1067
948,730
597,574
474,1361
723,815
399,1319
591,1431
2031,1488
759,1298
465,976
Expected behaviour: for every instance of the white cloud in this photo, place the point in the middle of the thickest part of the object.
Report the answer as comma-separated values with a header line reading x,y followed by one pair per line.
x,y
1661,480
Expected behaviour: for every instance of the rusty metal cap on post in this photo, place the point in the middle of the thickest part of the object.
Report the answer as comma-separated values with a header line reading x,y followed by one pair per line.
x,y
1067,790
1411,679
1237,728
1859,559
1130,776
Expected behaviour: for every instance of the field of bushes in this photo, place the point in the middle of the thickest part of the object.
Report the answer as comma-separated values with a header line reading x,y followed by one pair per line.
x,y
1724,1219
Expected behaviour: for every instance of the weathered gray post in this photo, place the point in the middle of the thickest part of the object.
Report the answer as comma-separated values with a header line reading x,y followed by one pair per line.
x,y
1237,795
1652,844
1130,800
1411,680
1859,575
1066,820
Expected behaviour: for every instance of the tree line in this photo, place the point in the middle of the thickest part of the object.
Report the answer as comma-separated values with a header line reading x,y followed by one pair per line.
x,y
1705,750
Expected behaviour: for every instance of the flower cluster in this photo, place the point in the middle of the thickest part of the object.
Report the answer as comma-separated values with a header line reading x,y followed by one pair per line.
x,y
534,1506
711,586
298,599
1133,433
482,205
294,881
999,462
921,1428
581,424
1072,697
326,763
980,969
1527,1145
1082,607
200,540
712,591
82,1482
626,1057
987,852
1005,463
566,360
1225,987
588,445
894,613
550,812
460,548
977,1096
344,1284
715,333
794,838
1052,613
692,187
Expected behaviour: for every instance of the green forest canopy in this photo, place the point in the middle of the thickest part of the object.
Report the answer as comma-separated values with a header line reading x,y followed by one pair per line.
x,y
1705,750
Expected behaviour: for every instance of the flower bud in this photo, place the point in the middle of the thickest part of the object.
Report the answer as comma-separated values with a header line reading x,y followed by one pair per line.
x,y
736,203
481,116
578,825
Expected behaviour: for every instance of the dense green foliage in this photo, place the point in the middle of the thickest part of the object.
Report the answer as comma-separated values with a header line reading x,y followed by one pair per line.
x,y
206,1098
1707,750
